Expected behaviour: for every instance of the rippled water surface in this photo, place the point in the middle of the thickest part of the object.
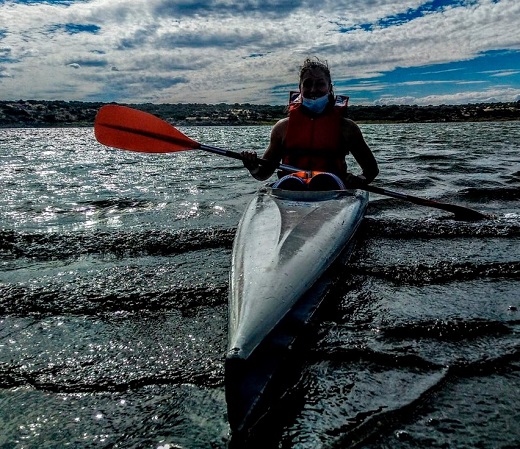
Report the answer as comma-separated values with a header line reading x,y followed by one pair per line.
x,y
113,296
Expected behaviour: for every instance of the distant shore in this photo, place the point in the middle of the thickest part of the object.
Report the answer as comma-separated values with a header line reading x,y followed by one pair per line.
x,y
35,113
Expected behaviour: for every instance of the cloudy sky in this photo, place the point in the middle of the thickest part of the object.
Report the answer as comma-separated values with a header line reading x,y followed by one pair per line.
x,y
237,51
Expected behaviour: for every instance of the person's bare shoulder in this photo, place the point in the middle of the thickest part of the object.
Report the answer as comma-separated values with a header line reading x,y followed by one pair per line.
x,y
280,126
279,131
350,130
349,125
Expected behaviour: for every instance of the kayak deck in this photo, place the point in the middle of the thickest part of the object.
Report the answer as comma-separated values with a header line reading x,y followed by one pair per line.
x,y
284,242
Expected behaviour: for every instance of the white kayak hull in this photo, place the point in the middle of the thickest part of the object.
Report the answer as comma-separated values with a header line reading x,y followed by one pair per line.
x,y
285,242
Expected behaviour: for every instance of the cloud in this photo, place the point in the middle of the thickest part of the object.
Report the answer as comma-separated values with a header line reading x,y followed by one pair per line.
x,y
502,72
248,51
492,95
4,73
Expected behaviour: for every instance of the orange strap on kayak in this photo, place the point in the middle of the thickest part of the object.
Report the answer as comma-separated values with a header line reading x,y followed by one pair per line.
x,y
306,176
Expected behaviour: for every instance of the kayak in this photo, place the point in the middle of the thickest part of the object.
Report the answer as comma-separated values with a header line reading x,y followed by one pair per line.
x,y
284,249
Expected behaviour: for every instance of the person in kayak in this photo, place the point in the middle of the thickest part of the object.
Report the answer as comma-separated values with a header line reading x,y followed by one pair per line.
x,y
315,136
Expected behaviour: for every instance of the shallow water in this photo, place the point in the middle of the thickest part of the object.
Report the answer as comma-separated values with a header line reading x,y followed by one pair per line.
x,y
114,277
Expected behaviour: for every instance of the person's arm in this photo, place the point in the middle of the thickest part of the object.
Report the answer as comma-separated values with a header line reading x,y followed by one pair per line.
x,y
355,143
273,153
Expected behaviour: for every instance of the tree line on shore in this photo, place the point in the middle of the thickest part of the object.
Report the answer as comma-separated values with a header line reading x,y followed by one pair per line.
x,y
36,113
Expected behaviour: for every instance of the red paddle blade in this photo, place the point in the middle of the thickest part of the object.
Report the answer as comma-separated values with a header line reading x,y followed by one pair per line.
x,y
129,129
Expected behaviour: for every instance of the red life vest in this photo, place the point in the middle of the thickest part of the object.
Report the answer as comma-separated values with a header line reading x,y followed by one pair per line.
x,y
314,142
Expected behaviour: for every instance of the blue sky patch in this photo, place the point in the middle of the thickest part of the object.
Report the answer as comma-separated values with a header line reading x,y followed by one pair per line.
x,y
89,63
5,55
50,2
404,17
75,28
483,72
424,9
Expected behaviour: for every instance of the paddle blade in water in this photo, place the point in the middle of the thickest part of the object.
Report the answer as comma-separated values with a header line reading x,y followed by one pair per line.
x,y
129,129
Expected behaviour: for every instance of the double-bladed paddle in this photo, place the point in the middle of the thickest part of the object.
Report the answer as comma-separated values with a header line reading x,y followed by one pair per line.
x,y
130,129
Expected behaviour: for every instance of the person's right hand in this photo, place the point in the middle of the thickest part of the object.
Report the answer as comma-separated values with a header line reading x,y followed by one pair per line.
x,y
250,160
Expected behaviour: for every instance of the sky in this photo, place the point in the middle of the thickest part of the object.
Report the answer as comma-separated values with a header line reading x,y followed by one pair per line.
x,y
249,51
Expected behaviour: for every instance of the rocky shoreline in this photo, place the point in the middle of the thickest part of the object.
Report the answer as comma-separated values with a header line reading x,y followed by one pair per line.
x,y
35,113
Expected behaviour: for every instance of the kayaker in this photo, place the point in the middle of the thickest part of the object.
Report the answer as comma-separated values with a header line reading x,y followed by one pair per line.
x,y
315,136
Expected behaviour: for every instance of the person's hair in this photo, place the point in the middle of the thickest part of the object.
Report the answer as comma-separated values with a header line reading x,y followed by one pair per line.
x,y
315,64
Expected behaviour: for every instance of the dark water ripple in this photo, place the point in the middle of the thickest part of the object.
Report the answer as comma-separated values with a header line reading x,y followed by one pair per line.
x,y
491,194
441,272
50,246
82,299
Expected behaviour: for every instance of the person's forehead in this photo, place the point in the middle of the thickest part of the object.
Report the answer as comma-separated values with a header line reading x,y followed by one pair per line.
x,y
315,74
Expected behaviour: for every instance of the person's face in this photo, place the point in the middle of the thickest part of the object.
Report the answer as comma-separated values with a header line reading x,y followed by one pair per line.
x,y
314,84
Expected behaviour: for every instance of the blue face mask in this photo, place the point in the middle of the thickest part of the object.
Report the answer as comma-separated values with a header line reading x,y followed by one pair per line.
x,y
318,105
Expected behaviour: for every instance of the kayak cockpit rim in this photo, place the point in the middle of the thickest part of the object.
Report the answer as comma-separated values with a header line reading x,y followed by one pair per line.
x,y
307,195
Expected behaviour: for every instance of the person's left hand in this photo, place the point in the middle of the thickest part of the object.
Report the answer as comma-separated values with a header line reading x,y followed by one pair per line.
x,y
355,181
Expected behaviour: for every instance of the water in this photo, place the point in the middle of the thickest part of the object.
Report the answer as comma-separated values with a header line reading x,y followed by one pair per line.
x,y
113,296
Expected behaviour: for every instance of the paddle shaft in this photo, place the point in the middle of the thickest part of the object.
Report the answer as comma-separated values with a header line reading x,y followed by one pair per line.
x,y
235,155
461,212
